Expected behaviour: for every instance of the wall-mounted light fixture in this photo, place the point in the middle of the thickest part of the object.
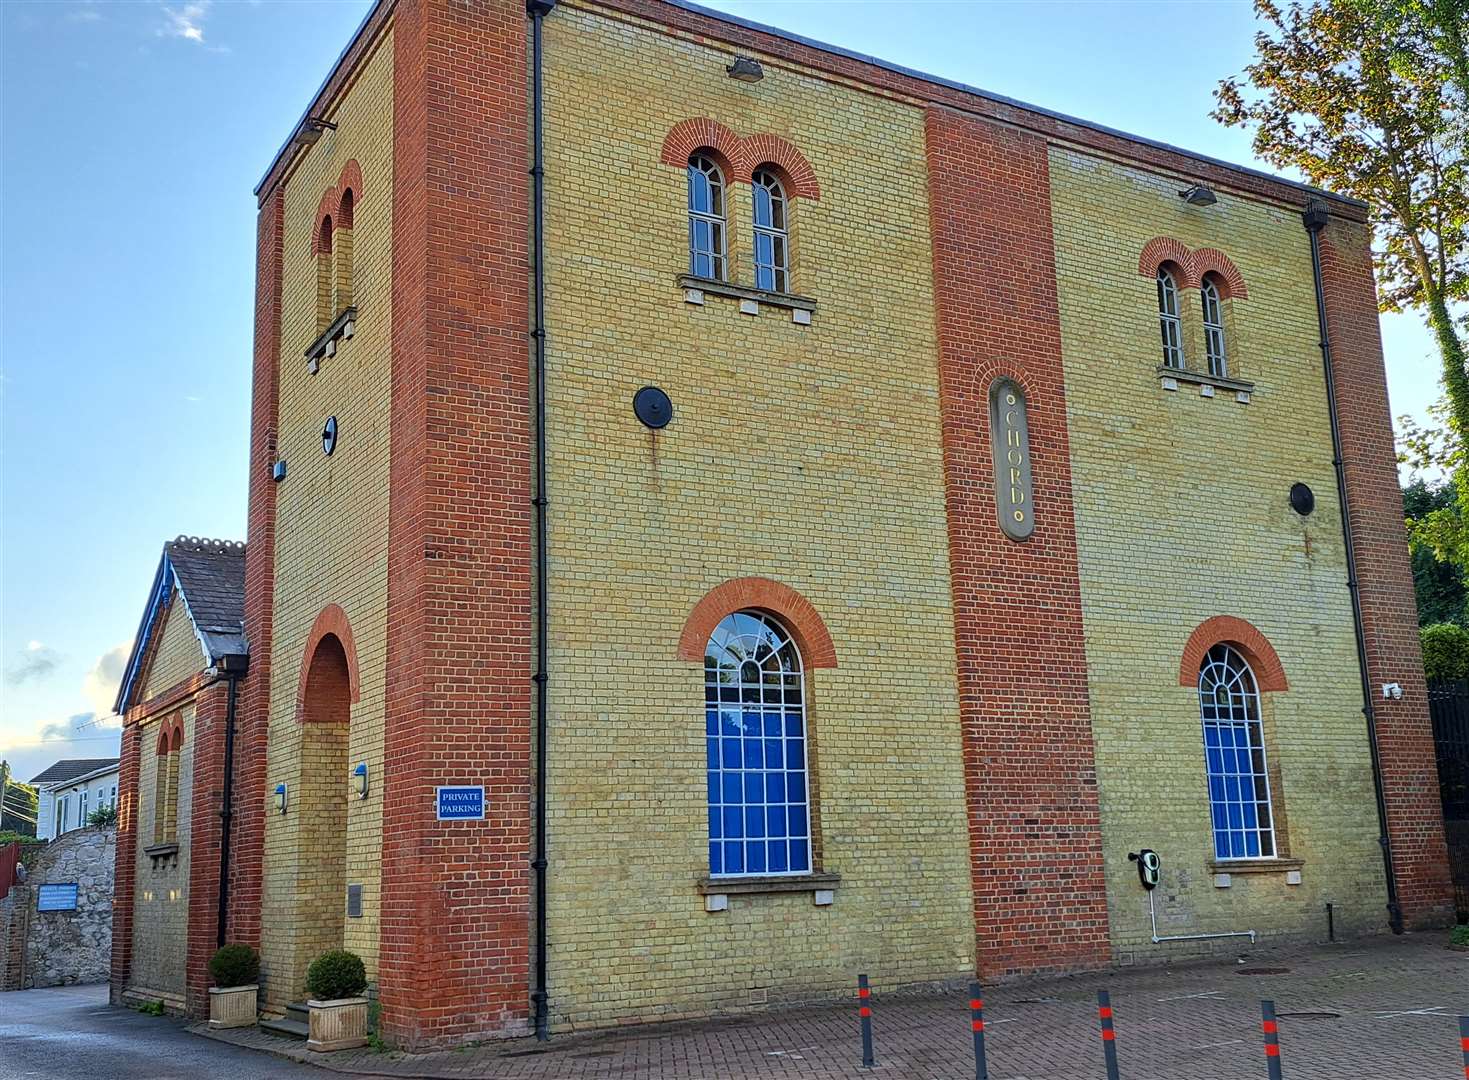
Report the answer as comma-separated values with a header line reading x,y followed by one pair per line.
x,y
280,798
746,69
311,129
359,779
1198,195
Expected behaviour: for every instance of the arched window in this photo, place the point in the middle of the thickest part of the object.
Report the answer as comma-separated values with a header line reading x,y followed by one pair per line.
x,y
1213,327
324,298
166,783
342,255
706,218
755,728
772,239
1234,752
1168,319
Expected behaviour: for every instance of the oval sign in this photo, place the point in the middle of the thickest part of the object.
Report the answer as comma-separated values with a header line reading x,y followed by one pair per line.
x,y
1010,438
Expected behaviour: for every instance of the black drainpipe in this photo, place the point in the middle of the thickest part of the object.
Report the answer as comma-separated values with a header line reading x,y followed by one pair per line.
x,y
234,668
1315,219
539,9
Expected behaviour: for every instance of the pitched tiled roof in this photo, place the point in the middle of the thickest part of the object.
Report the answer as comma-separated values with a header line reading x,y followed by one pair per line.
x,y
210,577
71,768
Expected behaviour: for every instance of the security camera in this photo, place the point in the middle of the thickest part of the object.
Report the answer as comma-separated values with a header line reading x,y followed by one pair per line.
x,y
1392,690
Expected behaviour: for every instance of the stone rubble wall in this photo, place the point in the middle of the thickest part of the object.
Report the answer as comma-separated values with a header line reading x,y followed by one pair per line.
x,y
61,948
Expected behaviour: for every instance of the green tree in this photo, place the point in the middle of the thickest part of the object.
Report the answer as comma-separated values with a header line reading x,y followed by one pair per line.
x,y
1445,652
1438,584
18,804
1369,98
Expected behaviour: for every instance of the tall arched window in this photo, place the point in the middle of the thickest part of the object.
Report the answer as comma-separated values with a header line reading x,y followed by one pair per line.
x,y
166,783
772,239
1213,327
1234,752
1168,319
342,254
755,728
706,218
324,297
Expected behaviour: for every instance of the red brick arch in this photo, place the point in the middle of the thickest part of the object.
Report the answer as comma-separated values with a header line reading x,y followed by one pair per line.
x,y
740,157
332,621
330,204
1255,647
763,594
1215,262
1194,264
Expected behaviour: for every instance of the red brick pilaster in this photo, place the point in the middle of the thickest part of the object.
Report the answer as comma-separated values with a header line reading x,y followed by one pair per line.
x,y
206,801
1385,579
454,953
1035,830
252,716
124,869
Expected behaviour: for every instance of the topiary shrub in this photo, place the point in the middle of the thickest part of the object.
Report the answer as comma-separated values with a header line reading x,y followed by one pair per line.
x,y
336,974
235,965
1445,651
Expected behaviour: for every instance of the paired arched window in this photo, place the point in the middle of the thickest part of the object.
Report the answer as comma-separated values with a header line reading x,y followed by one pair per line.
x,y
334,286
1168,318
706,218
1213,327
166,783
755,737
772,239
1234,753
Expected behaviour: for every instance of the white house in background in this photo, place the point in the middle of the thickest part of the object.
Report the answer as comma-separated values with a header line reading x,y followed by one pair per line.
x,y
72,789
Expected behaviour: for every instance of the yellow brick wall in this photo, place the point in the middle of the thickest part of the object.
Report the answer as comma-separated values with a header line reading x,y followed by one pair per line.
x,y
161,894
179,654
331,534
807,454
1182,513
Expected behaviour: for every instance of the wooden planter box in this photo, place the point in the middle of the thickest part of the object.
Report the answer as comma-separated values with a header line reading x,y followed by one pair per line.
x,y
232,1007
340,1024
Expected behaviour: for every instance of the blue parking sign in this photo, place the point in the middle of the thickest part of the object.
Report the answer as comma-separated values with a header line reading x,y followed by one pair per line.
x,y
461,803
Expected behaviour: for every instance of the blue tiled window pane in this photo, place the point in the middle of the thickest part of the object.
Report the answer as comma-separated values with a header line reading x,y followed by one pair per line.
x,y
756,756
1234,757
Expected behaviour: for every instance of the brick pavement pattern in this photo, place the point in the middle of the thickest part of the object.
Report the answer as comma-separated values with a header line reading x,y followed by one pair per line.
x,y
1376,1009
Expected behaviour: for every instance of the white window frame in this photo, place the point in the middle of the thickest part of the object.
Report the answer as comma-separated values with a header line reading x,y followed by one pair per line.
x,y
799,671
1213,306
1170,324
62,806
776,229
1225,669
82,807
716,218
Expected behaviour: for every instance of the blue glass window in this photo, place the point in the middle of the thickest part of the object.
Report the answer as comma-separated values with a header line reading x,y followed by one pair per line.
x,y
706,218
771,238
755,727
1234,756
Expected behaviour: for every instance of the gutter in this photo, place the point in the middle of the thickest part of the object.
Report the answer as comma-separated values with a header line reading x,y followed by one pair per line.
x,y
234,667
1314,218
538,10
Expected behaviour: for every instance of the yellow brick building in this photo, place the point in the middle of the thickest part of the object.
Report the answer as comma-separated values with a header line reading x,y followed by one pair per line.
x,y
721,520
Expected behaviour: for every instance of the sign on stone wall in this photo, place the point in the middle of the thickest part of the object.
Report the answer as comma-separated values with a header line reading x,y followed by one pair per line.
x,y
461,803
1010,437
56,897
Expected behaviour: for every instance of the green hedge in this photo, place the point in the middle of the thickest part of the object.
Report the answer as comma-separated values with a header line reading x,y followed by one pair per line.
x,y
234,965
336,974
1445,651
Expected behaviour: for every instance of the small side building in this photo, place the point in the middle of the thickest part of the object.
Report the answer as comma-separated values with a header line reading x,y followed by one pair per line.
x,y
71,790
177,701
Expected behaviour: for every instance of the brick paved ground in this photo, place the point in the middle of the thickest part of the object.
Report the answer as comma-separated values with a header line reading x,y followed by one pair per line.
x,y
1381,1009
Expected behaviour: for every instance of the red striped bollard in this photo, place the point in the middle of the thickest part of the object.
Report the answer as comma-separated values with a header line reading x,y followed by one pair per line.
x,y
1272,1038
1109,1034
864,1010
976,1022
1464,1042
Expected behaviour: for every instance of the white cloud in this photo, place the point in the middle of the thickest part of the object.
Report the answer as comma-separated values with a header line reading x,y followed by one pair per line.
x,y
100,685
36,662
185,22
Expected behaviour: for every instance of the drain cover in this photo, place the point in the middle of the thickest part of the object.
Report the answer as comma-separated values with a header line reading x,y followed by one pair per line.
x,y
1320,1015
1262,971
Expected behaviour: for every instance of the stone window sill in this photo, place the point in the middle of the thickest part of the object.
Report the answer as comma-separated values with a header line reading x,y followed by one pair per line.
x,y
342,328
773,883
696,288
1255,866
1241,388
162,853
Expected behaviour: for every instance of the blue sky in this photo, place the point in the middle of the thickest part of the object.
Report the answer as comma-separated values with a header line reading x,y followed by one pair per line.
x,y
133,134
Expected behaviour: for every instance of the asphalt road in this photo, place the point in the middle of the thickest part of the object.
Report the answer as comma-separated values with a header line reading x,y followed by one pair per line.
x,y
71,1031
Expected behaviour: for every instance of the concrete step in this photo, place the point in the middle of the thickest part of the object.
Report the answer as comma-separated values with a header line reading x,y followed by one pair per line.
x,y
291,1029
298,1011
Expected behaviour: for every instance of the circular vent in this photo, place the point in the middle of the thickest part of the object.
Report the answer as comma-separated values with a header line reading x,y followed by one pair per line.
x,y
652,407
329,436
1302,499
